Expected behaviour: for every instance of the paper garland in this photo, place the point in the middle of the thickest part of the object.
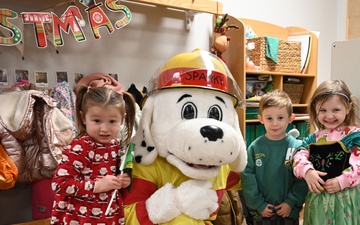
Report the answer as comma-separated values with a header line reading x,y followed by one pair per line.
x,y
70,20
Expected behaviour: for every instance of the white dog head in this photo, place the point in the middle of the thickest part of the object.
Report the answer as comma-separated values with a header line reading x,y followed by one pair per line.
x,y
194,127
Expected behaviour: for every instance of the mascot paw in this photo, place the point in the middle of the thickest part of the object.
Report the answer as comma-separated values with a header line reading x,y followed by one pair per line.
x,y
161,205
196,199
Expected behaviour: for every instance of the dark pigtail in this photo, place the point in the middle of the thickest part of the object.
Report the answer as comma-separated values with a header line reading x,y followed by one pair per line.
x,y
129,116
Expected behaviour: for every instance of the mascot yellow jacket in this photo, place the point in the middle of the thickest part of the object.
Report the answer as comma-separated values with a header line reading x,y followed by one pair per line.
x,y
188,148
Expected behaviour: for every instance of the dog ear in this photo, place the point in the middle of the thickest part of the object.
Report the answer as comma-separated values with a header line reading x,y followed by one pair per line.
x,y
145,151
240,162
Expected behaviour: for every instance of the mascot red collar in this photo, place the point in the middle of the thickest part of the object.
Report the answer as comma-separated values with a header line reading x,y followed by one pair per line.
x,y
188,147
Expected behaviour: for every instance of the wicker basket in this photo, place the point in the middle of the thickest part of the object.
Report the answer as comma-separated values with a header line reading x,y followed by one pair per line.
x,y
294,91
289,55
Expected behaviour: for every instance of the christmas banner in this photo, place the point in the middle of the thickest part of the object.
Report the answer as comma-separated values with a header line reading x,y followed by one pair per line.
x,y
48,26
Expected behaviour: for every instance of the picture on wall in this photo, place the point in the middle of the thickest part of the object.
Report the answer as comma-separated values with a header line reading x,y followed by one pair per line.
x,y
78,77
21,75
61,76
3,77
41,79
114,75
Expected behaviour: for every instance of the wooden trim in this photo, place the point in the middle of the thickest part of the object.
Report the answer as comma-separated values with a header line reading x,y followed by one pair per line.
x,y
208,6
46,90
262,29
352,19
36,222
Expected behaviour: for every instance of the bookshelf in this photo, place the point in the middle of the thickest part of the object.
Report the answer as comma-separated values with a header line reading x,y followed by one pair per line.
x,y
235,58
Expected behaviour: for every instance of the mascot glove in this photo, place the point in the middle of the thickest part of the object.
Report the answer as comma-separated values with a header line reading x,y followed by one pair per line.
x,y
196,199
161,205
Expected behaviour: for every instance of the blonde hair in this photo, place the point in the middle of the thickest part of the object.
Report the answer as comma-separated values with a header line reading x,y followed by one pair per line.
x,y
103,96
276,98
328,89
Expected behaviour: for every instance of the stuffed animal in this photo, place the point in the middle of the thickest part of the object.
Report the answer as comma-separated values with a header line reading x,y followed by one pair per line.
x,y
188,148
221,40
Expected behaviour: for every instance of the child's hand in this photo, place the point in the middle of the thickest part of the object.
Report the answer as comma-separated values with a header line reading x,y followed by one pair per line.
x,y
125,180
107,183
332,185
283,209
314,181
269,211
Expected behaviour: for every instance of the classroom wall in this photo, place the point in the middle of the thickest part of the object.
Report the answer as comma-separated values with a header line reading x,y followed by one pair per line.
x,y
328,18
157,33
154,35
133,52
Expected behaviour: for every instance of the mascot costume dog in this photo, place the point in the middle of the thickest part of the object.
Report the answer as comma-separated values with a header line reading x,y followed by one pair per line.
x,y
188,148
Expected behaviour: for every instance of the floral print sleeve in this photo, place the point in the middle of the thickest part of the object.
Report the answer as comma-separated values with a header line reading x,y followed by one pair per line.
x,y
301,163
301,158
351,175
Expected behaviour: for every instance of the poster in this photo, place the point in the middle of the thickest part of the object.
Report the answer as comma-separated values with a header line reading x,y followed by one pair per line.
x,y
41,79
78,77
61,76
3,77
114,75
21,76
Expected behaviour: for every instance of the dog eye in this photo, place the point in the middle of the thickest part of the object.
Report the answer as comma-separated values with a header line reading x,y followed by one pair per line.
x,y
215,112
189,111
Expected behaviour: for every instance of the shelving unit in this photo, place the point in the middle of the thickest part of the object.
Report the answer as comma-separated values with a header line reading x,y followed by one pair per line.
x,y
235,58
207,6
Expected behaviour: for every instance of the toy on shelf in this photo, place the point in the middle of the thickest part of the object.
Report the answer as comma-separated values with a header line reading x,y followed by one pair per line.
x,y
221,41
249,64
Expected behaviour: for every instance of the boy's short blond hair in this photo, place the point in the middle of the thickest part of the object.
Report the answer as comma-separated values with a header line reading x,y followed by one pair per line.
x,y
276,98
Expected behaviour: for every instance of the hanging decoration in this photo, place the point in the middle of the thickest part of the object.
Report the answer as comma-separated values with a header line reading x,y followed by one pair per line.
x,y
15,32
18,22
112,6
50,34
37,19
70,20
97,17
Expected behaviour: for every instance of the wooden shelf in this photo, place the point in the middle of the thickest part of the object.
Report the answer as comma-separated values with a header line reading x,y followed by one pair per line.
x,y
296,119
207,6
235,58
259,72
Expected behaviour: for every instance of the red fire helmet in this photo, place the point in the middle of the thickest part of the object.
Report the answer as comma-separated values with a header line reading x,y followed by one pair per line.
x,y
197,69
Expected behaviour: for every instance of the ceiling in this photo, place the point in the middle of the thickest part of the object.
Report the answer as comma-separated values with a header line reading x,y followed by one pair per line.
x,y
30,6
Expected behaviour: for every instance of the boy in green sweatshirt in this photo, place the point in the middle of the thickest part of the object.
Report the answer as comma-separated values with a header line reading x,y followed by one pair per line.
x,y
271,190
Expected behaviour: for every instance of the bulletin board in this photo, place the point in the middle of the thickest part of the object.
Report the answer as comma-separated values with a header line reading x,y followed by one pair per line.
x,y
345,64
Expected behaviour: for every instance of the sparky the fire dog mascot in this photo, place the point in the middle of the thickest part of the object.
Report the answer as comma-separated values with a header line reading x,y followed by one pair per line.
x,y
188,148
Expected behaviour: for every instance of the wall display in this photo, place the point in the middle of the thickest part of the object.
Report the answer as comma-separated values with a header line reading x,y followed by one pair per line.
x,y
61,76
298,81
115,76
21,75
77,77
41,79
71,20
3,77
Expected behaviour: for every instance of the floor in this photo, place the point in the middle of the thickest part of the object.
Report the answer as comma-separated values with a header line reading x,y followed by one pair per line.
x,y
36,222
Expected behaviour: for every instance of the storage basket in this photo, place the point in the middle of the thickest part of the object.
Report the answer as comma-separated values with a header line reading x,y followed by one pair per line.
x,y
289,55
294,91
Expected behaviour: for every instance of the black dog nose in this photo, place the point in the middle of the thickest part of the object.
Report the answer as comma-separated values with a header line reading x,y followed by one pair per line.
x,y
211,132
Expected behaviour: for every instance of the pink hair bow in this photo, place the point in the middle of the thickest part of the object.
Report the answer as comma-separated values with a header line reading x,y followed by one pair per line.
x,y
101,80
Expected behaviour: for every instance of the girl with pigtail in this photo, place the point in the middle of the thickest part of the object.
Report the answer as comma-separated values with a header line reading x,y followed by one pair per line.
x,y
329,159
88,172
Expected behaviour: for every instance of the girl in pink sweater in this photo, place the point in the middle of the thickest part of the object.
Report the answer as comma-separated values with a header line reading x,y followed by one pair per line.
x,y
329,159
